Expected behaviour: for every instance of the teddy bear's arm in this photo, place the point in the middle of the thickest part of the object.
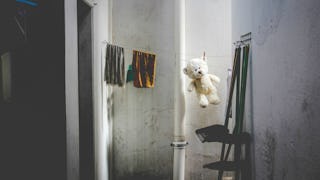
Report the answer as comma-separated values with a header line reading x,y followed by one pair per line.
x,y
214,79
191,86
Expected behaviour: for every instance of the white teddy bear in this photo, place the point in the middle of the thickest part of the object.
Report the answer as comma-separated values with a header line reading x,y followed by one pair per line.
x,y
202,82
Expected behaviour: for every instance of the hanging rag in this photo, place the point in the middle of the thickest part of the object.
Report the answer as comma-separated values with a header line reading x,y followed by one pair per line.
x,y
144,69
129,73
114,69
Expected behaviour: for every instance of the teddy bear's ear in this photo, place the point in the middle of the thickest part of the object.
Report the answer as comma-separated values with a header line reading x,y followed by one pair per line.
x,y
204,56
185,70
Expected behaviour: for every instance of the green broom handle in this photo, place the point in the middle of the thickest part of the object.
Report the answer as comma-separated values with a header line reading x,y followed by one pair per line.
x,y
243,88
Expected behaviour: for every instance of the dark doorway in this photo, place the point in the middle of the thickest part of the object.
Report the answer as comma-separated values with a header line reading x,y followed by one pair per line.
x,y
85,91
33,122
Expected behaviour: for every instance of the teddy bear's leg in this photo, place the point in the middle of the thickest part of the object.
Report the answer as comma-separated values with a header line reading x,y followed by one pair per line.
x,y
213,98
203,101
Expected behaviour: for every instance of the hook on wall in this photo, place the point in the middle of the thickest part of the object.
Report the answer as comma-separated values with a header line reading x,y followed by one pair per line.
x,y
244,40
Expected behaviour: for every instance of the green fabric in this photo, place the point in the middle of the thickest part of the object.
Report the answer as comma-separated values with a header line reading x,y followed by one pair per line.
x,y
129,73
238,93
243,86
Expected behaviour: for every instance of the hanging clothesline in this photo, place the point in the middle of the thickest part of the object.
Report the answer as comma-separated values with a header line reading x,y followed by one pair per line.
x,y
165,51
140,49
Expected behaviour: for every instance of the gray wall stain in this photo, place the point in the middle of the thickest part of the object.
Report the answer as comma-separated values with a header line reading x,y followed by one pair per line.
x,y
268,153
305,105
284,173
270,14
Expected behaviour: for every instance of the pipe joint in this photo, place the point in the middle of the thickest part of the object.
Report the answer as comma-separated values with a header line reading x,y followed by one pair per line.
x,y
179,144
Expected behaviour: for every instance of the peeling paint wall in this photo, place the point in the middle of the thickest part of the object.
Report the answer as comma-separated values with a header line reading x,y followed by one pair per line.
x,y
283,98
208,28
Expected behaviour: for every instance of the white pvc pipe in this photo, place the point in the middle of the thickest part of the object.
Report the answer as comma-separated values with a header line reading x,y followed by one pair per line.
x,y
179,80
179,142
179,153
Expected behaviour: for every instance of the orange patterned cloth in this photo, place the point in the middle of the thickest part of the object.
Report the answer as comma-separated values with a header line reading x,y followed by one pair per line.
x,y
144,69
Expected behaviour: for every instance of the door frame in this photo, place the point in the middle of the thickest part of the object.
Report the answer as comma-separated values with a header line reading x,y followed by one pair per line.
x,y
101,13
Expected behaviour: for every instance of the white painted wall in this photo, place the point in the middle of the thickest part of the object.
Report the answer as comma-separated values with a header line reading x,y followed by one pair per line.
x,y
283,98
208,28
143,118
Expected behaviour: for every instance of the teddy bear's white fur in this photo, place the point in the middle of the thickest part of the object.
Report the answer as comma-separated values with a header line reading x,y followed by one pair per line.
x,y
202,82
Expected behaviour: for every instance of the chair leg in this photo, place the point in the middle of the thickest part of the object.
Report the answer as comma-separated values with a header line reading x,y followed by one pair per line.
x,y
237,175
246,167
237,154
220,175
248,162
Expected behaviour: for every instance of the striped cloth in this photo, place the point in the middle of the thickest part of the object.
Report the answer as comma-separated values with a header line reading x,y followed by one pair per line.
x,y
114,69
144,69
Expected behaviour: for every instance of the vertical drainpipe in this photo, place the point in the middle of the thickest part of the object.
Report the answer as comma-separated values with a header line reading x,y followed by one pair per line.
x,y
179,143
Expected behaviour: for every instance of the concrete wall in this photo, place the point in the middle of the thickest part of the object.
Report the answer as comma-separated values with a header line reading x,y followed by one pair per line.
x,y
283,98
208,28
143,118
